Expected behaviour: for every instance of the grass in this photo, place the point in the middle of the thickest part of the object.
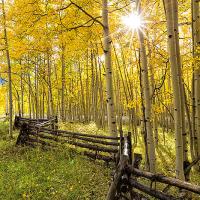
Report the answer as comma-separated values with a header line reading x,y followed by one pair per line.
x,y
37,174
34,174
62,174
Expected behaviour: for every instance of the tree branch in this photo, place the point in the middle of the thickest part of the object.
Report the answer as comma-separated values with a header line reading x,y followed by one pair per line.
x,y
85,12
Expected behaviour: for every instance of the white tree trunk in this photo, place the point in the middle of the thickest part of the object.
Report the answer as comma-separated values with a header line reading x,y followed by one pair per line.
x,y
196,44
147,103
179,65
63,84
176,89
108,65
50,95
9,71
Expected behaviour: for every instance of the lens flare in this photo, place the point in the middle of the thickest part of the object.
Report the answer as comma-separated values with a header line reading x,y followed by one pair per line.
x,y
132,21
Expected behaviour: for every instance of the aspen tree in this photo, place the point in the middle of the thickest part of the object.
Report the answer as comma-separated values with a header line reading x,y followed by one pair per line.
x,y
147,102
9,70
147,99
29,96
108,65
176,88
36,89
22,90
50,96
196,74
152,85
63,83
179,65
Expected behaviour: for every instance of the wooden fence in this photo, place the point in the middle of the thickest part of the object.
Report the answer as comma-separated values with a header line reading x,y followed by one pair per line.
x,y
128,179
45,133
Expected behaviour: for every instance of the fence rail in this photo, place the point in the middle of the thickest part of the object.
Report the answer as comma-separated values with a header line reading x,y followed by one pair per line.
x,y
19,121
46,134
126,180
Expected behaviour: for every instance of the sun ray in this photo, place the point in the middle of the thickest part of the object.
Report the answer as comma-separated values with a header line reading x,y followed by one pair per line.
x,y
132,21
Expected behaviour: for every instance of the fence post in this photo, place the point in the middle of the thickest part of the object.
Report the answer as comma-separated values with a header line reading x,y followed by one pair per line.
x,y
130,146
16,122
23,135
56,123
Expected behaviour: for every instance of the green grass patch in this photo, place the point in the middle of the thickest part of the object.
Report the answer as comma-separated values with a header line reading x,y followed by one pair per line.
x,y
27,173
89,128
4,130
35,174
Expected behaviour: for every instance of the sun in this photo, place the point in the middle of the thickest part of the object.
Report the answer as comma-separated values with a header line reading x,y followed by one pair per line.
x,y
132,21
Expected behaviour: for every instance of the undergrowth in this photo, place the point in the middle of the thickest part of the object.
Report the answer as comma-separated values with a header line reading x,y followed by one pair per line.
x,y
62,174
59,174
165,152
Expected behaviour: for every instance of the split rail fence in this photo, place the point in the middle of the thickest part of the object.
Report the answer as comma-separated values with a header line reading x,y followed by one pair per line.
x,y
128,179
45,133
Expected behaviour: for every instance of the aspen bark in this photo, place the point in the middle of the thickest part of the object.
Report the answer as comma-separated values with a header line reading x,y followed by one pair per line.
x,y
102,104
50,96
9,71
197,106
147,102
143,121
108,65
29,96
83,113
22,91
179,65
191,139
36,90
196,75
152,85
176,89
88,94
63,84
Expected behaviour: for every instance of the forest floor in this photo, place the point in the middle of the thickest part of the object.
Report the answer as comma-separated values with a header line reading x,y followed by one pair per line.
x,y
58,175
62,174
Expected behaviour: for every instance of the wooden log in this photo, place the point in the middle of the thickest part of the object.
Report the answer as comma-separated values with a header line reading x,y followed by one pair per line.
x,y
137,196
90,140
94,140
81,134
20,120
33,140
150,191
163,179
187,167
34,130
43,136
136,164
29,119
43,124
81,138
83,145
76,137
111,195
91,147
99,156
46,123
